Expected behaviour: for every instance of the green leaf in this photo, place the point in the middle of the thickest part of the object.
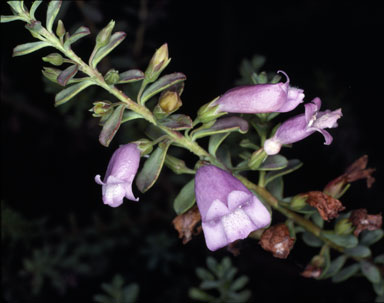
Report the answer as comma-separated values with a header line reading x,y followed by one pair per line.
x,y
369,237
34,7
16,6
197,294
223,125
52,11
275,162
67,74
276,188
27,48
215,141
4,19
346,273
162,84
204,274
311,240
130,115
71,91
81,32
347,241
185,198
239,283
370,271
177,122
115,40
131,75
111,126
359,251
334,267
379,288
292,165
147,177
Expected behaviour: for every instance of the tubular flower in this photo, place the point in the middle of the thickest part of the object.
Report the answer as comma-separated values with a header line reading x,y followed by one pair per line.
x,y
261,98
120,173
301,126
229,211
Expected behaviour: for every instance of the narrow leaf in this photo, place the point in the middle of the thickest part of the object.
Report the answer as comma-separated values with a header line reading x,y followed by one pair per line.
x,y
334,267
347,241
162,84
34,7
111,126
215,141
16,6
4,19
370,237
67,74
115,40
292,165
239,283
346,273
131,75
152,168
204,274
52,11
275,162
71,91
177,122
311,240
27,48
81,32
370,271
197,294
185,198
223,125
359,251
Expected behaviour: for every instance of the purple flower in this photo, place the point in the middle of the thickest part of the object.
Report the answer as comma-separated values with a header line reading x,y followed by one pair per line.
x,y
301,126
229,211
120,173
260,98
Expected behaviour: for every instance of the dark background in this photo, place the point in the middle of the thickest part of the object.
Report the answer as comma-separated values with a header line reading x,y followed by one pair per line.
x,y
334,51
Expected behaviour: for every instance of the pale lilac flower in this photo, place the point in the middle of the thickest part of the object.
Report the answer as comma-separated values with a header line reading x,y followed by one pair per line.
x,y
120,173
229,211
260,98
301,126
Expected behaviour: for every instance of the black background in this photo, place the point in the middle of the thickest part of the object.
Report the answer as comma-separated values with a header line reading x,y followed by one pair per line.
x,y
331,49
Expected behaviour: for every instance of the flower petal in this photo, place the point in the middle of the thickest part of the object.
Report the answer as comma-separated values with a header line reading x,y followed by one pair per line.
x,y
237,225
258,213
214,235
216,210
237,198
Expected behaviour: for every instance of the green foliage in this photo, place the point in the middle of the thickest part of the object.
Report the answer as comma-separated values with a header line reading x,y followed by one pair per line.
x,y
117,292
219,279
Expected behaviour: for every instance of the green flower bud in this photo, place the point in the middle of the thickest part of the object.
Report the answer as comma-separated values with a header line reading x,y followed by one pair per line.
x,y
157,64
344,227
177,165
104,35
112,77
51,73
298,201
60,29
257,158
101,108
54,59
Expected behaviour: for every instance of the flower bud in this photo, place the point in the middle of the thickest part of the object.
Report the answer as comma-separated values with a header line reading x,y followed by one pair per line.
x,y
343,227
101,108
177,165
51,73
112,77
104,35
298,201
157,64
60,30
54,59
257,158
169,102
